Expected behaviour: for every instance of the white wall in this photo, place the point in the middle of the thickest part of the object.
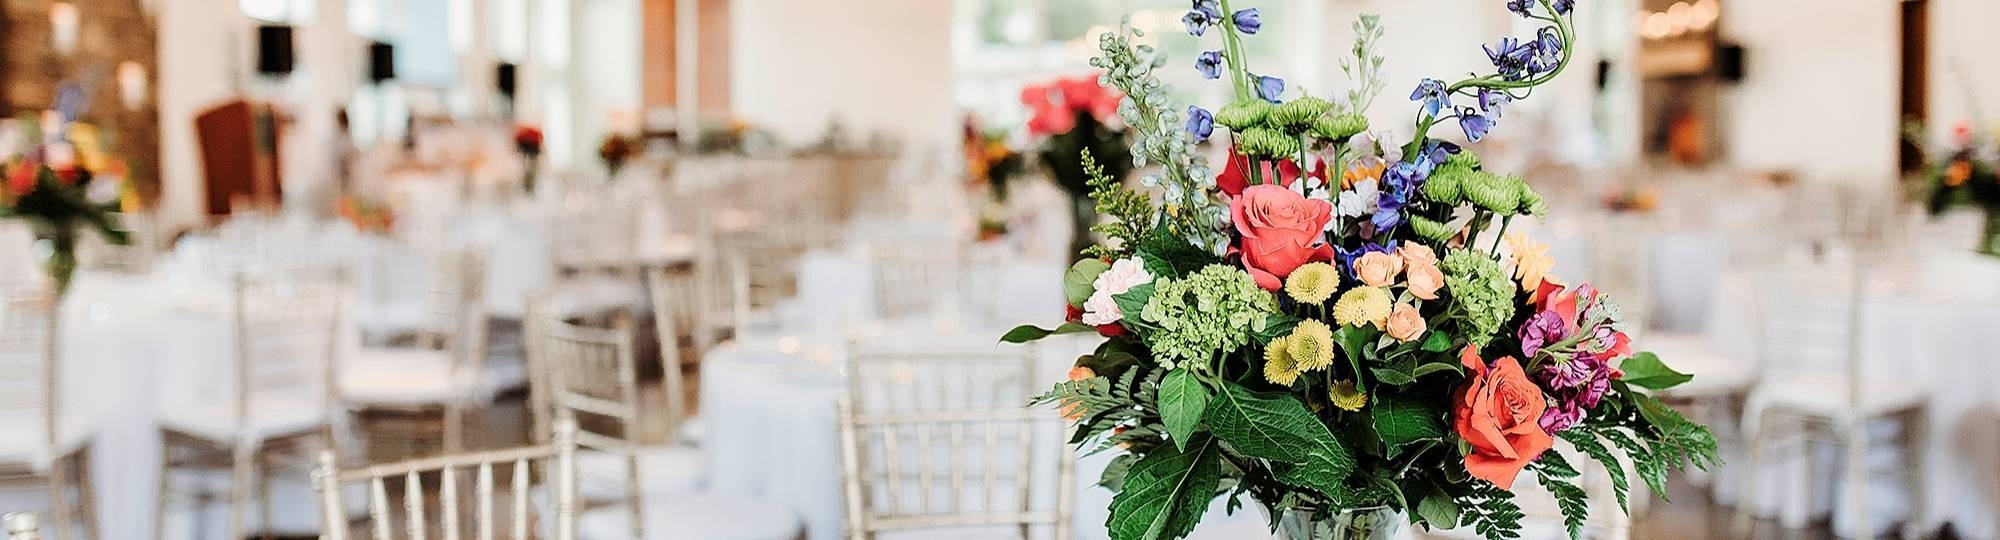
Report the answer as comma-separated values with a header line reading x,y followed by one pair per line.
x,y
198,59
1820,92
880,65
1964,76
605,70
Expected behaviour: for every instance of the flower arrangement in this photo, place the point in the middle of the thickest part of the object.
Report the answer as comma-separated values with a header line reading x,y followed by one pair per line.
x,y
60,185
1965,171
528,139
366,216
616,149
1349,354
1070,117
989,161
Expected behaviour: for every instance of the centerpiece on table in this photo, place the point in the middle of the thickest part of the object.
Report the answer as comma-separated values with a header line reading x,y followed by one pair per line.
x,y
1070,117
528,140
990,164
1349,354
60,184
1965,172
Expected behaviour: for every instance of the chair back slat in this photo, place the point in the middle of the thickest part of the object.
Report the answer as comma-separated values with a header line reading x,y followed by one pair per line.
x,y
669,294
28,366
557,460
287,335
588,371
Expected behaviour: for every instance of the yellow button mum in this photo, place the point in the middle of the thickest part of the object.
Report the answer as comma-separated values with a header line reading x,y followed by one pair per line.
x,y
1278,365
1347,397
1313,283
1363,306
1311,345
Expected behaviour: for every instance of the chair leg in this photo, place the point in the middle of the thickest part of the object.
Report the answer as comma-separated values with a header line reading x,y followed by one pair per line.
x,y
454,428
59,510
1856,441
240,471
1916,428
1746,498
632,494
86,493
165,486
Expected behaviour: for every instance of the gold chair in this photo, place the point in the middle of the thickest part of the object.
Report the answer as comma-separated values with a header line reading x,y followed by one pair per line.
x,y
41,445
557,461
396,391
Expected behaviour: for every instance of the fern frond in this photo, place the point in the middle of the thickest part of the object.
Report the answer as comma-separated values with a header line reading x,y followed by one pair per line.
x,y
1590,445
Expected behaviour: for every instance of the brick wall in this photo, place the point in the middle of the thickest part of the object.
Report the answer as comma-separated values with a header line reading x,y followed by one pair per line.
x,y
110,32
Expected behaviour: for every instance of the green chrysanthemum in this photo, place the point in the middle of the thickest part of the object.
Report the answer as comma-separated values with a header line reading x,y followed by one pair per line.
x,y
1266,142
1482,295
1310,345
1312,283
1531,201
1466,159
1298,114
1339,127
1243,115
1278,365
1431,230
1444,186
1210,311
1493,193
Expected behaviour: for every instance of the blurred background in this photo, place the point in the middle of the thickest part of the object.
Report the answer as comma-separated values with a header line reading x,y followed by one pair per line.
x,y
399,229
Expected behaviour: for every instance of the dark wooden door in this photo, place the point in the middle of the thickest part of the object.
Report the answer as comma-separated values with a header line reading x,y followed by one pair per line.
x,y
1915,110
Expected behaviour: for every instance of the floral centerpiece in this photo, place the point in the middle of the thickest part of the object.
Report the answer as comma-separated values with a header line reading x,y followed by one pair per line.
x,y
1070,117
1349,355
61,185
528,140
616,149
1965,172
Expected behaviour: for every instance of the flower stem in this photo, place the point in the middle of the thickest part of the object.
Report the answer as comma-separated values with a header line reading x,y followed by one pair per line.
x,y
1496,82
1233,47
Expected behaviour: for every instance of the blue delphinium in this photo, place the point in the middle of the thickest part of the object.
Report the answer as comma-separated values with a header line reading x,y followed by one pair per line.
x,y
1203,14
1269,87
1248,21
1563,7
1512,57
1201,123
1475,125
1209,64
1492,101
1520,7
1434,95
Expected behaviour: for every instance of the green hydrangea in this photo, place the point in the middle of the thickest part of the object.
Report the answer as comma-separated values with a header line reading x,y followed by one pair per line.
x,y
1482,295
1208,312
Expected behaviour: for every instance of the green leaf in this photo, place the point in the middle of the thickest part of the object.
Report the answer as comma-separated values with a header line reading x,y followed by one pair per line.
x,y
1438,342
1436,367
1648,465
1132,303
1570,500
1077,282
1645,370
1390,376
1183,399
1354,340
1278,427
1275,325
1656,413
1028,332
1438,509
1167,491
1167,255
1589,444
1403,420
1115,472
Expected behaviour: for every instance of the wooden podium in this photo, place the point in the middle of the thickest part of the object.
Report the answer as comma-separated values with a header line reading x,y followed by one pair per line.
x,y
239,157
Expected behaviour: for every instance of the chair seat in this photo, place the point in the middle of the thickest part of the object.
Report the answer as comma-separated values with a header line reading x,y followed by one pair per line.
x,y
1826,397
411,376
1715,374
270,418
665,470
391,319
695,517
586,295
25,441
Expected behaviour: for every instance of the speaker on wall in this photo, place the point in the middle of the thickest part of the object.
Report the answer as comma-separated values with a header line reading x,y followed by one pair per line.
x,y
503,79
1729,62
381,62
274,50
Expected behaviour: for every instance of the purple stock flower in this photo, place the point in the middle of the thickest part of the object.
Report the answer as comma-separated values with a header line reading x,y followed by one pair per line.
x,y
1198,18
1434,95
1560,417
1541,329
1201,123
1248,21
1474,124
1269,87
1209,63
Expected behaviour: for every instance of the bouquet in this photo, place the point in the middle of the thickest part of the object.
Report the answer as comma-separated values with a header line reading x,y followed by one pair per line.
x,y
60,185
528,139
1964,172
989,161
615,151
1349,354
1071,117
366,216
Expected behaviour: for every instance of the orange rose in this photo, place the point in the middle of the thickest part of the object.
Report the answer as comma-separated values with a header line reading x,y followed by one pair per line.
x,y
1281,230
1406,324
1421,264
1498,413
1377,269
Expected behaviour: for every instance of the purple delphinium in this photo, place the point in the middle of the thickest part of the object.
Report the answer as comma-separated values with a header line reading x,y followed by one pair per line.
x,y
1563,7
1491,101
1434,94
1269,87
1248,21
1203,14
1512,57
1201,123
1209,63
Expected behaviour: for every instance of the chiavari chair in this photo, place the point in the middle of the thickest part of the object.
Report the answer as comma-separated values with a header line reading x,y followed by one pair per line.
x,y
486,471
279,407
916,276
590,374
41,444
1813,384
396,391
935,441
672,295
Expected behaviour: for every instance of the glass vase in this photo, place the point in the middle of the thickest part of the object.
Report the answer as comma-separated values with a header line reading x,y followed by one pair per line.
x,y
1990,234
58,252
1378,523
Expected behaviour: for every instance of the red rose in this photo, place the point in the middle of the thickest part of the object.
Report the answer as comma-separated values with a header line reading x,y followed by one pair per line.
x,y
1236,174
1072,313
23,178
1281,231
1498,412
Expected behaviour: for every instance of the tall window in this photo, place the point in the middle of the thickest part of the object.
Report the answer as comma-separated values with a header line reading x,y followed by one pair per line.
x,y
294,12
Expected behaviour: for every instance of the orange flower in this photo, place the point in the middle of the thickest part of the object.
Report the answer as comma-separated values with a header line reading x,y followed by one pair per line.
x,y
1406,324
1378,269
1364,170
1074,411
1959,172
1498,412
1420,263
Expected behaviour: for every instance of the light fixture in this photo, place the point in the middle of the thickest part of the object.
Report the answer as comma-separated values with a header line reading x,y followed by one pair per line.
x,y
63,22
1705,14
1682,16
1658,25
132,84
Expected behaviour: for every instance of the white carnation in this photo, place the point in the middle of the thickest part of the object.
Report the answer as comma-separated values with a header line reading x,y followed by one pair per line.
x,y
1100,309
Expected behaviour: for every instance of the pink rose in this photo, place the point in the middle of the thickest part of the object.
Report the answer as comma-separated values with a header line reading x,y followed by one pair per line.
x,y
1423,275
1281,231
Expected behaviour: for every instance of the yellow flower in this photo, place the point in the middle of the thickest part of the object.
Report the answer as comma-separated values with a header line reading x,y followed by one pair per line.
x,y
1310,346
1531,260
1278,365
1363,306
1313,283
1406,324
1378,269
1347,397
